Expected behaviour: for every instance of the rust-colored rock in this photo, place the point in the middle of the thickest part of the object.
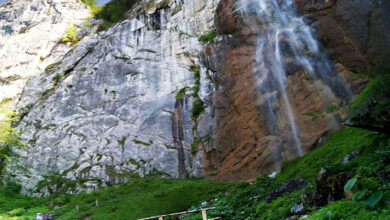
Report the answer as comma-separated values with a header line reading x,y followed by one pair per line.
x,y
244,146
224,18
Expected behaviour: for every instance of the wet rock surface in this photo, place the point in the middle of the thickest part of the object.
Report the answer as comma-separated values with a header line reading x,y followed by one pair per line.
x,y
355,33
247,138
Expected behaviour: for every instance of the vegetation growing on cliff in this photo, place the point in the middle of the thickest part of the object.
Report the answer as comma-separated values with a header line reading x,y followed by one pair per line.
x,y
9,136
372,108
114,11
92,5
71,34
208,37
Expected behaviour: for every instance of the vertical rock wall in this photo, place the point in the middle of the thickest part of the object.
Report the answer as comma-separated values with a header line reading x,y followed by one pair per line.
x,y
108,112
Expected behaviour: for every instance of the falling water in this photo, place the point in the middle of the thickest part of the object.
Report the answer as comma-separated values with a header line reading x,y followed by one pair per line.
x,y
285,45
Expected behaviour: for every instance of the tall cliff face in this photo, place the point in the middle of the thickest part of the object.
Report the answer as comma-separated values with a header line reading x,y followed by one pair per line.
x,y
147,98
107,111
30,32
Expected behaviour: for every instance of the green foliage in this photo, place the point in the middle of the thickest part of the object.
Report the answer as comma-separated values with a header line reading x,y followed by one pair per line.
x,y
349,210
137,199
93,6
57,78
372,108
143,143
338,145
197,141
374,198
9,136
359,76
350,184
182,93
314,116
279,208
71,34
122,141
208,37
194,145
329,109
114,11
242,201
198,106
52,66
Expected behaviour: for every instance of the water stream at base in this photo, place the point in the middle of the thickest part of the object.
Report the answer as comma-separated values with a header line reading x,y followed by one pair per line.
x,y
285,45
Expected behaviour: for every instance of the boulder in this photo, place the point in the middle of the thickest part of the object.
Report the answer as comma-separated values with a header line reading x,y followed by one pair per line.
x,y
44,216
287,187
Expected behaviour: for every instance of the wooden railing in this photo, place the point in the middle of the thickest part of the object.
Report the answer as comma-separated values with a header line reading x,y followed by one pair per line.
x,y
204,214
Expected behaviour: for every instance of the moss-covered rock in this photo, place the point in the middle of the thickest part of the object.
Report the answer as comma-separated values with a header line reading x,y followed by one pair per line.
x,y
372,109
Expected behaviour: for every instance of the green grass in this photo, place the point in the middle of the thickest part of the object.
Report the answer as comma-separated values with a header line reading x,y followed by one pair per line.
x,y
349,210
247,201
335,149
10,202
140,198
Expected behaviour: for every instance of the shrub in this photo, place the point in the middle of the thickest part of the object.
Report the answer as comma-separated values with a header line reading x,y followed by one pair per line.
x,y
372,109
93,6
9,136
57,77
208,37
71,34
114,11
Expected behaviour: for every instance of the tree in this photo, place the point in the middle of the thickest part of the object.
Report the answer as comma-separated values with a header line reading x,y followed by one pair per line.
x,y
9,136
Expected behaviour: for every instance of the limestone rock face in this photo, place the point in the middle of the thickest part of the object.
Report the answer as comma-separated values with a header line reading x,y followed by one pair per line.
x,y
107,111
30,31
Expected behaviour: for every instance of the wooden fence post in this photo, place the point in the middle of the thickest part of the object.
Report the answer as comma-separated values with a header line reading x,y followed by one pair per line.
x,y
77,208
204,214
97,203
160,218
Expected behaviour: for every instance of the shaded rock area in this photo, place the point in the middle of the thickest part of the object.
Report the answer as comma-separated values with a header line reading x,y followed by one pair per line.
x,y
355,33
287,187
330,186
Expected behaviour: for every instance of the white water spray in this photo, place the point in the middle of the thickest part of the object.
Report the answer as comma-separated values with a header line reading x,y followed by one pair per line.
x,y
285,45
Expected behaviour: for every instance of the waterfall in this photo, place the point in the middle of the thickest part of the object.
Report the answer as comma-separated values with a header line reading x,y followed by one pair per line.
x,y
285,45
